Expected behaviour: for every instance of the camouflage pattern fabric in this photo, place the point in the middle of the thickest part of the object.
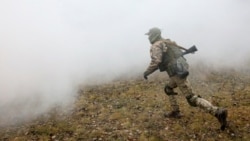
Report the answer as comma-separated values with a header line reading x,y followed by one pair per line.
x,y
156,56
185,88
156,52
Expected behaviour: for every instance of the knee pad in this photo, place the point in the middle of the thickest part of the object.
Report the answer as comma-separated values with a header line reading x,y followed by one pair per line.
x,y
169,91
191,99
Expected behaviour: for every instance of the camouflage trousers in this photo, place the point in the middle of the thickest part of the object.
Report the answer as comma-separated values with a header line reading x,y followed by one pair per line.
x,y
185,88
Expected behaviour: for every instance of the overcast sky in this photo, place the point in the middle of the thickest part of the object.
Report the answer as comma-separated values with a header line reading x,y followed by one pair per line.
x,y
49,47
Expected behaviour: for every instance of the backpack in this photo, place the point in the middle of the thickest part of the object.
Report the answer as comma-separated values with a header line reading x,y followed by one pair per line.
x,y
173,62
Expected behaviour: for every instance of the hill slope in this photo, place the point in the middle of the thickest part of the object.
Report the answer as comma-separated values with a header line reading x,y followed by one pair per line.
x,y
133,110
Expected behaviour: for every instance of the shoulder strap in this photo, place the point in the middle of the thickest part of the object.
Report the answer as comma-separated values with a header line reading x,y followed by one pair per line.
x,y
168,42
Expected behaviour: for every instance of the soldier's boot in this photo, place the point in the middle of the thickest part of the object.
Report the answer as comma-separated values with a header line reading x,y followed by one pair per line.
x,y
221,115
173,114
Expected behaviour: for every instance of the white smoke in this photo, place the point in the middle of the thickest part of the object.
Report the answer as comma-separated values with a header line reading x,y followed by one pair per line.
x,y
48,48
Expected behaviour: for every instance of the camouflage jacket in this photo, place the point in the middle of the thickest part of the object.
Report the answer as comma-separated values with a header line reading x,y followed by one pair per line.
x,y
156,51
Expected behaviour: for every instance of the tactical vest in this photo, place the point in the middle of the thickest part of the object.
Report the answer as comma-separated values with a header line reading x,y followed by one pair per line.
x,y
173,62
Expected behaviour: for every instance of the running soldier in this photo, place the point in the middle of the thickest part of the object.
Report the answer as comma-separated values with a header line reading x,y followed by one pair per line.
x,y
166,55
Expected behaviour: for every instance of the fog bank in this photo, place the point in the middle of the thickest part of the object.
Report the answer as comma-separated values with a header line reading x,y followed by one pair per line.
x,y
48,48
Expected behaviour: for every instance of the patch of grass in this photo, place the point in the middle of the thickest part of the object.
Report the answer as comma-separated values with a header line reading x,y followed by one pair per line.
x,y
133,110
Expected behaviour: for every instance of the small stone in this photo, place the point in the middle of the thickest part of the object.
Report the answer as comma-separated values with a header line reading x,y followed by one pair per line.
x,y
53,137
166,128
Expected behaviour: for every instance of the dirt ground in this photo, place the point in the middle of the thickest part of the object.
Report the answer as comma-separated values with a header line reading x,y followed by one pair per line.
x,y
132,110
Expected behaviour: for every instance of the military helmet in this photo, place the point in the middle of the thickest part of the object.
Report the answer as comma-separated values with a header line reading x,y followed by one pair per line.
x,y
153,30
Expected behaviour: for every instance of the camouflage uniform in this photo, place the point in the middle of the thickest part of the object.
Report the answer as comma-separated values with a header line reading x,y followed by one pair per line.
x,y
159,46
156,52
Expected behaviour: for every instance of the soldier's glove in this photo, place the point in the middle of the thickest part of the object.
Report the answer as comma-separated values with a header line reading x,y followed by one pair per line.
x,y
145,75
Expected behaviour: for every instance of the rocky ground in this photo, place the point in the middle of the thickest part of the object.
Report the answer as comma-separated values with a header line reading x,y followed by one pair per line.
x,y
132,110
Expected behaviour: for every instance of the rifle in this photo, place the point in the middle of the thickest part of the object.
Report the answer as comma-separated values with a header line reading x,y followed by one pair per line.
x,y
192,49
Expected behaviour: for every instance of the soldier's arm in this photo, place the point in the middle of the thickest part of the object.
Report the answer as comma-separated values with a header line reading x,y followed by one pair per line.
x,y
156,58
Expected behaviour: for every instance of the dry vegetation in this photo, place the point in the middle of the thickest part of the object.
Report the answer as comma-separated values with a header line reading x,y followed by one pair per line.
x,y
133,110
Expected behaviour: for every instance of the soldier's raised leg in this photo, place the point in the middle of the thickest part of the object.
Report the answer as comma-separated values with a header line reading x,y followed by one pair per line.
x,y
198,101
